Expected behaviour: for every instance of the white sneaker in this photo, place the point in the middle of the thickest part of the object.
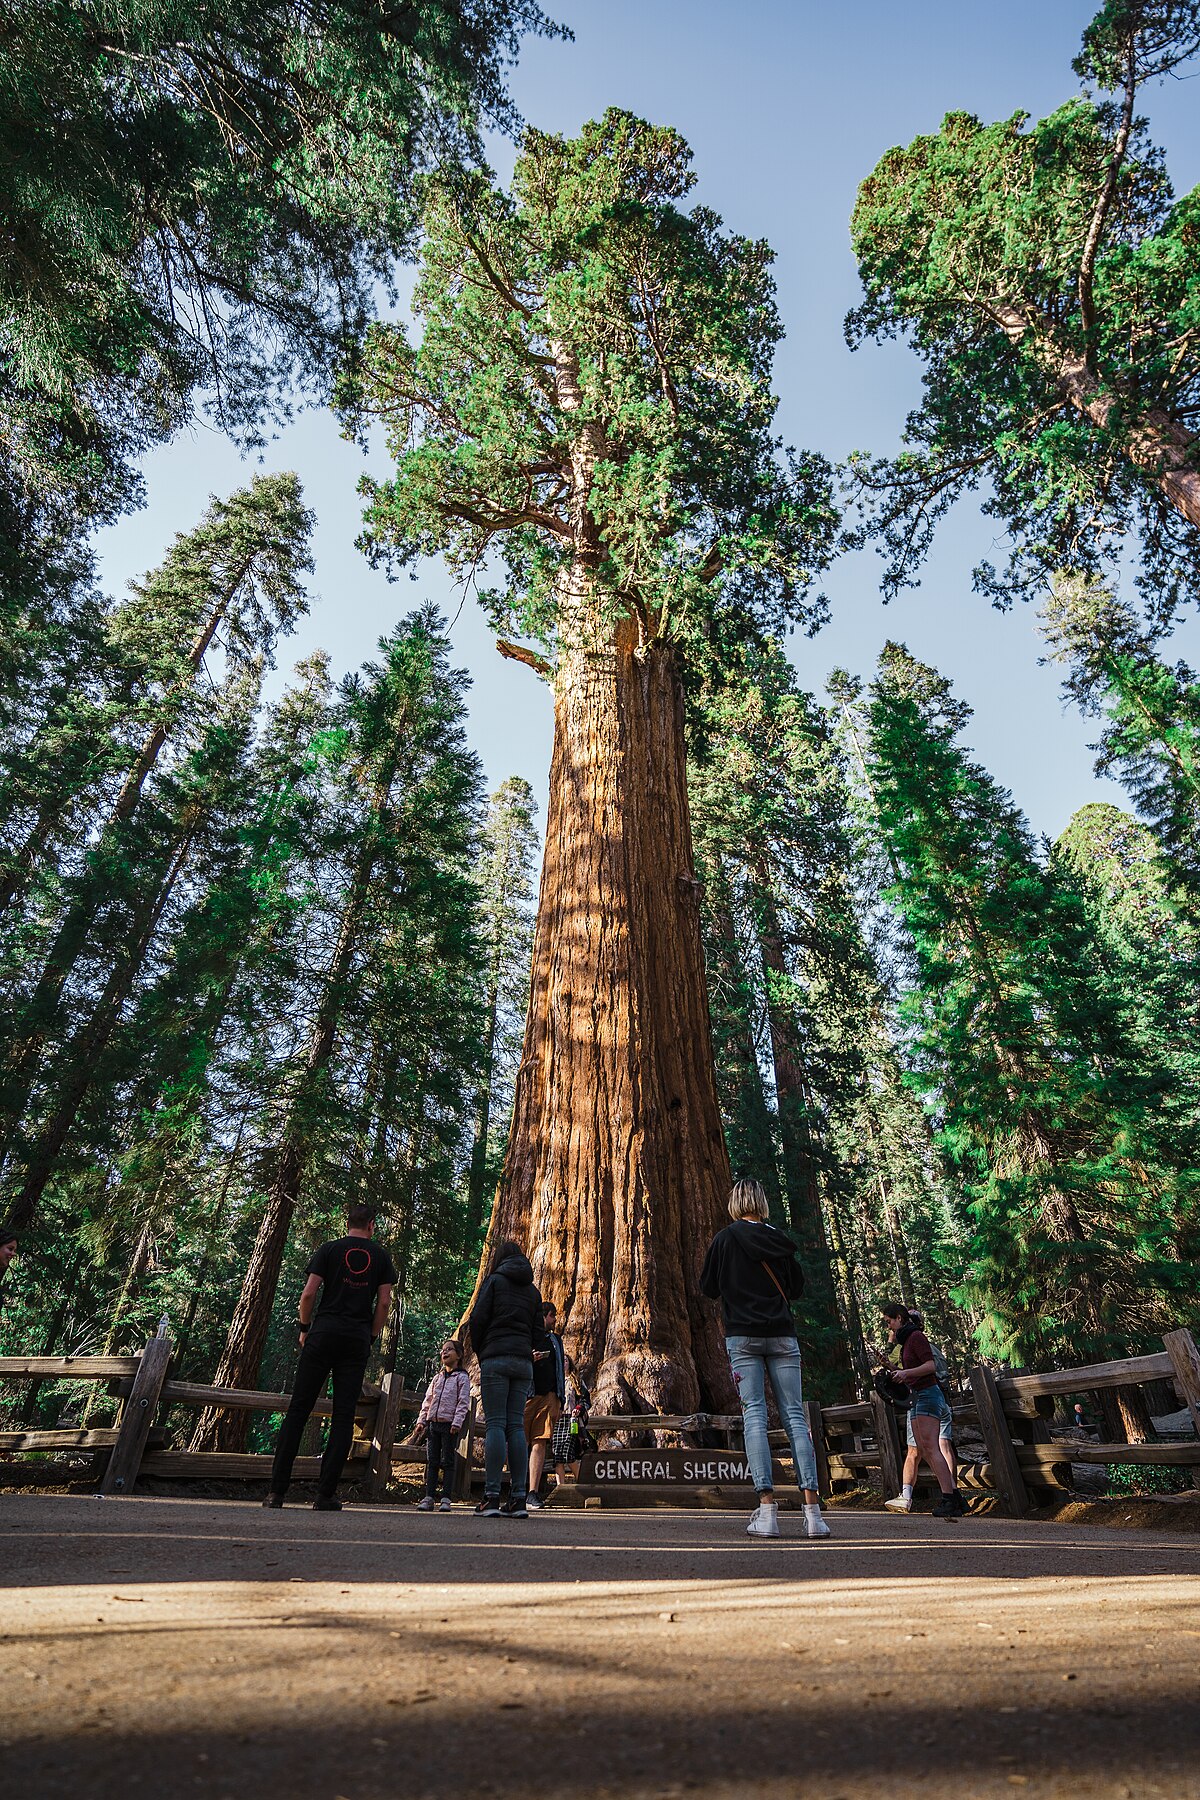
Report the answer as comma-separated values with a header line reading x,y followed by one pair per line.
x,y
898,1504
445,1506
764,1521
425,1504
814,1524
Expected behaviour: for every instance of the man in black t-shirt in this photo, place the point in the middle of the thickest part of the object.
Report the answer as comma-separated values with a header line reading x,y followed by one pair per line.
x,y
354,1276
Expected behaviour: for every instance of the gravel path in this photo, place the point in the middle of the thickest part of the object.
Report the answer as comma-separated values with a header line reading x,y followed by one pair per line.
x,y
207,1648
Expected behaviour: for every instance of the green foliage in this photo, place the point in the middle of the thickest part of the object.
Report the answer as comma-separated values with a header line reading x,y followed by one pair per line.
x,y
1128,1480
804,1028
1151,714
1050,285
203,194
589,403
1064,1127
247,882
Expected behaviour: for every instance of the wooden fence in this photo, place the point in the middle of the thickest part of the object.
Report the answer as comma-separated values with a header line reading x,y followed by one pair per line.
x,y
134,1447
1008,1415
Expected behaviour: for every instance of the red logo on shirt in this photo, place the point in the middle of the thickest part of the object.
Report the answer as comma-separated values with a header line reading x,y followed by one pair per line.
x,y
357,1267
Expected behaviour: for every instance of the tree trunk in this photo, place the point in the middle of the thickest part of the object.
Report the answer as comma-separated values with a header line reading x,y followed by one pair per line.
x,y
1125,1414
750,1123
483,1108
90,1042
212,1227
617,1173
800,1179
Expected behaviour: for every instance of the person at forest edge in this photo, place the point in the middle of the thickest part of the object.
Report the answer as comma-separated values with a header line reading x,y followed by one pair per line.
x,y
902,1502
354,1276
506,1329
918,1369
751,1267
443,1414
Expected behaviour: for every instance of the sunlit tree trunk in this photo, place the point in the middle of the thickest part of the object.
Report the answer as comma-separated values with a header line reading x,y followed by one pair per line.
x,y
617,1172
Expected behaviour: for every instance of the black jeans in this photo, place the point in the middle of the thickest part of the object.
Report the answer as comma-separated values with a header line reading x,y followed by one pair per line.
x,y
328,1350
439,1459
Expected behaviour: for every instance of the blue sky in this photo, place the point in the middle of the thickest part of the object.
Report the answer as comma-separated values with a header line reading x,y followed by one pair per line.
x,y
787,108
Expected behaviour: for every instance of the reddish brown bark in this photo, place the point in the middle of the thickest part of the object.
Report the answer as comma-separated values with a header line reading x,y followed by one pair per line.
x,y
617,1173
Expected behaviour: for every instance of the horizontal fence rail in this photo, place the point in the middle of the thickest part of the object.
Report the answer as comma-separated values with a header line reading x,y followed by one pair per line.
x,y
1005,1412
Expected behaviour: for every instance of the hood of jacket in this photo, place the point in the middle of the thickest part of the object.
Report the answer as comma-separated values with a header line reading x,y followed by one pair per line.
x,y
517,1269
759,1241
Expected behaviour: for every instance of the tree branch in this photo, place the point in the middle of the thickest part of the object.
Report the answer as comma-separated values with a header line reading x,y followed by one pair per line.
x,y
518,653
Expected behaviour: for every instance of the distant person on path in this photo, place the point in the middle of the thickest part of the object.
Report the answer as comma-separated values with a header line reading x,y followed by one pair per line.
x,y
918,1370
543,1409
752,1269
443,1414
354,1276
903,1501
506,1329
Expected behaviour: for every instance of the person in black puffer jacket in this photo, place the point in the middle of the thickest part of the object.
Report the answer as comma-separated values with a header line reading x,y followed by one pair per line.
x,y
752,1269
506,1330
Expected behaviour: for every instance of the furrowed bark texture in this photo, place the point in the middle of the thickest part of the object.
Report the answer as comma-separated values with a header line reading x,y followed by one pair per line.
x,y
617,1173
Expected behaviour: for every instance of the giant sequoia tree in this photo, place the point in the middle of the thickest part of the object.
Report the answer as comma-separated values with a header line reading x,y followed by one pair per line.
x,y
588,412
1050,283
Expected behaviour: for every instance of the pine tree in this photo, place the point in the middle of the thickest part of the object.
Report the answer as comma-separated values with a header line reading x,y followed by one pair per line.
x,y
507,883
402,802
1078,1181
589,405
233,584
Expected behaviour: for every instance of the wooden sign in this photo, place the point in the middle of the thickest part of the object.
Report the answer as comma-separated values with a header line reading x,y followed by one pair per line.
x,y
665,1468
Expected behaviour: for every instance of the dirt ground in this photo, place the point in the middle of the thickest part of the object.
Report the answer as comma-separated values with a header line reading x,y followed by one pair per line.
x,y
208,1648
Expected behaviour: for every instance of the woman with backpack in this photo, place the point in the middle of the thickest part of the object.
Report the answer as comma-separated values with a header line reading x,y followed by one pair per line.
x,y
928,1406
506,1328
752,1269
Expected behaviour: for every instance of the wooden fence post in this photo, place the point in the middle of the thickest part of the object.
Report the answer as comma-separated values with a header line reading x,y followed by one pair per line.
x,y
383,1435
137,1417
1185,1361
464,1457
887,1442
1006,1470
816,1426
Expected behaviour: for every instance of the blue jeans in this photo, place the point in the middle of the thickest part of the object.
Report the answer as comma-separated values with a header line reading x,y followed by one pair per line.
x,y
750,1358
504,1382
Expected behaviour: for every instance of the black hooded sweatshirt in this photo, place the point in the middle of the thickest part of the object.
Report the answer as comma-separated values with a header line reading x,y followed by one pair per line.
x,y
506,1320
733,1272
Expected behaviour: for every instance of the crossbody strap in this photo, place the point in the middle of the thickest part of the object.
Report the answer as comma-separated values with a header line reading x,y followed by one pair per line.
x,y
774,1277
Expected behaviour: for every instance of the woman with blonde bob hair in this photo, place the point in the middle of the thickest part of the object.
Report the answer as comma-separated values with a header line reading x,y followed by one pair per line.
x,y
752,1269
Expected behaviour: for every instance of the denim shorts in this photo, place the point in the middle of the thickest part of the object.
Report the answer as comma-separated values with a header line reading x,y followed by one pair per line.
x,y
946,1428
930,1403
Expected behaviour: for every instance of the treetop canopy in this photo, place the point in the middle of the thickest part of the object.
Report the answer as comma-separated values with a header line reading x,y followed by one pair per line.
x,y
589,403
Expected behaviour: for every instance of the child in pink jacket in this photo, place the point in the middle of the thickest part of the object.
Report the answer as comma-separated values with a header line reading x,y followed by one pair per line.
x,y
442,1415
